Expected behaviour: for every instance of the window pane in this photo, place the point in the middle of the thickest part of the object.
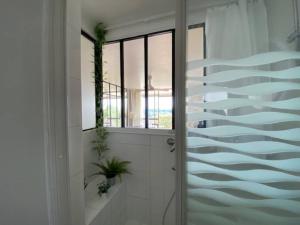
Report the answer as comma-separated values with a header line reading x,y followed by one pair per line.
x,y
160,100
195,45
111,85
88,84
134,77
195,51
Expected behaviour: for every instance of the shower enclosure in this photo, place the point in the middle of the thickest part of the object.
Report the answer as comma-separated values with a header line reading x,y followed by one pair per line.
x,y
241,134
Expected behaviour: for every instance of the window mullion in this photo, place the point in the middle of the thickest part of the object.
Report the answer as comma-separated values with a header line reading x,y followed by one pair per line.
x,y
146,80
173,79
122,84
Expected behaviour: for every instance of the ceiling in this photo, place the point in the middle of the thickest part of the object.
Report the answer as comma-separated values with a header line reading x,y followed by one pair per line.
x,y
115,12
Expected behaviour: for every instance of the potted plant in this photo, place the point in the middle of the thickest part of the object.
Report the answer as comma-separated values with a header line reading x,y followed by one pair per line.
x,y
112,168
103,188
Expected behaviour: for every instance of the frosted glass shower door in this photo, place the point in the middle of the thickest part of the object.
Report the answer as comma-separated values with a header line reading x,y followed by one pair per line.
x,y
243,115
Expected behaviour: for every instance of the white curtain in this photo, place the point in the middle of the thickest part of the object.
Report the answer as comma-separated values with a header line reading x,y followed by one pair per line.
x,y
134,107
237,30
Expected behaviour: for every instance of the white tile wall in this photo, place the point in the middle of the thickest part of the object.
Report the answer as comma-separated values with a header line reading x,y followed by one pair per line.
x,y
162,180
150,186
76,168
89,154
108,210
138,210
152,181
77,199
74,102
74,52
75,151
129,138
74,14
118,208
103,217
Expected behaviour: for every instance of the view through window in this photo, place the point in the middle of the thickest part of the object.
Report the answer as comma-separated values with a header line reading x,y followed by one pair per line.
x,y
134,81
138,79
160,94
88,82
111,85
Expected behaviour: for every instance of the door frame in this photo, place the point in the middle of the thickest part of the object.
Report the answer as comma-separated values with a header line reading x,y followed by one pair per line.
x,y
180,129
55,108
55,111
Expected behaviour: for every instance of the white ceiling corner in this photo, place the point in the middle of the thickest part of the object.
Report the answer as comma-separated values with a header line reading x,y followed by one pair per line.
x,y
115,12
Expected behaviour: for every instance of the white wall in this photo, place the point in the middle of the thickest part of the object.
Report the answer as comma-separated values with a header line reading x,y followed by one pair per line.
x,y
22,157
88,84
89,154
88,24
152,182
107,210
73,63
163,22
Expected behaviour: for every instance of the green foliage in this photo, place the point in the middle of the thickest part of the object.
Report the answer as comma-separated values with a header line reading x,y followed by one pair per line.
x,y
103,188
112,112
100,143
112,168
100,32
165,121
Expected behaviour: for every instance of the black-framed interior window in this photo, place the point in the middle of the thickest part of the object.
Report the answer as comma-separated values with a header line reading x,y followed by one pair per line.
x,y
138,79
142,68
146,71
88,88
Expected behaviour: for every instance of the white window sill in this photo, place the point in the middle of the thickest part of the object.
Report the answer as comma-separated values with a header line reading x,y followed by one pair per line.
x,y
166,132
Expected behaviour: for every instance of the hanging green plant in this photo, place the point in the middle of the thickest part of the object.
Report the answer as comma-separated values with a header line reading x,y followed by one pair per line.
x,y
100,33
100,142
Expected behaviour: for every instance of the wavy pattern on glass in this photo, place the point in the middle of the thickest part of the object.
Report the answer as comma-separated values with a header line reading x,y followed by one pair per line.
x,y
251,187
255,147
228,199
233,103
257,216
254,175
238,174
236,131
256,60
292,165
255,118
232,75
251,90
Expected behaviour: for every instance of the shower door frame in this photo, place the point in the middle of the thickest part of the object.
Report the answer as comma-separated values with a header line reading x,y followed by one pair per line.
x,y
180,129
180,103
